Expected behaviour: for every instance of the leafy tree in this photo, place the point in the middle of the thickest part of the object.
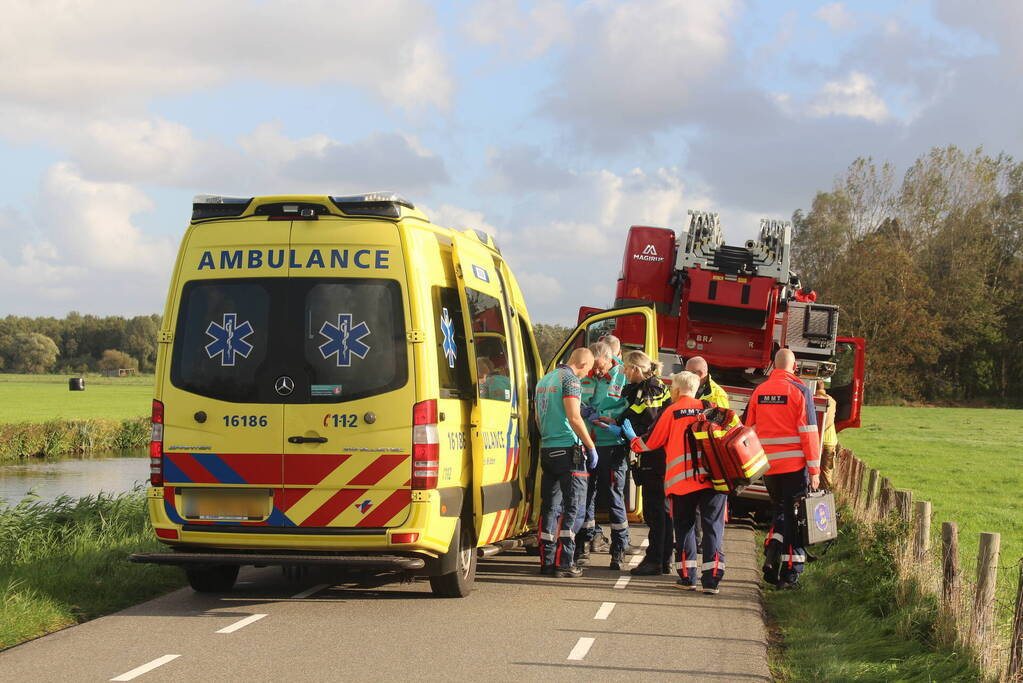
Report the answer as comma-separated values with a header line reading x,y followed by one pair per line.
x,y
113,359
29,352
549,339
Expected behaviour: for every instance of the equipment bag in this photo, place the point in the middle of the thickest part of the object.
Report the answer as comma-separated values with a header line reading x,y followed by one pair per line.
x,y
733,455
815,515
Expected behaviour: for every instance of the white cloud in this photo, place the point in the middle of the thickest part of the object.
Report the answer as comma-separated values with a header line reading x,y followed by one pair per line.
x,y
853,96
639,68
101,53
836,16
136,149
520,31
87,253
459,218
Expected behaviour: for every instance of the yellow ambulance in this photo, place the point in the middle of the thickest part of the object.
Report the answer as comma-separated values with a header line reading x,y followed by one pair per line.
x,y
342,382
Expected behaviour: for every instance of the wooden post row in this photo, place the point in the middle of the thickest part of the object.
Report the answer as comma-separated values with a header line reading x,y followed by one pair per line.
x,y
984,601
950,575
872,492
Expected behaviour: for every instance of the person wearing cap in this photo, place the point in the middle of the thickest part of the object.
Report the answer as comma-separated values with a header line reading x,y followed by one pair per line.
x,y
567,455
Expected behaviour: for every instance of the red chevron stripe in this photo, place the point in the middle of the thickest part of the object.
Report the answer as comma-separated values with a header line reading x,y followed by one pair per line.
x,y
289,497
256,468
377,470
311,468
391,506
191,467
333,507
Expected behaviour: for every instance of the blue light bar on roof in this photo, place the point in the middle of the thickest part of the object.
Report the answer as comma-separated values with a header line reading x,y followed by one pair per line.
x,y
216,206
383,204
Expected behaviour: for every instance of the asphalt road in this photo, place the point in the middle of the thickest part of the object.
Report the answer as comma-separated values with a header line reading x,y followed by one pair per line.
x,y
516,626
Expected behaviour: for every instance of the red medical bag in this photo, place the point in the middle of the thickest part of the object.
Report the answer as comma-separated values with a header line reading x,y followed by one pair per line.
x,y
733,455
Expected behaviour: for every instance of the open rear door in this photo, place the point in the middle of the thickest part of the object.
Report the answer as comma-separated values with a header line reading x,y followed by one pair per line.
x,y
847,382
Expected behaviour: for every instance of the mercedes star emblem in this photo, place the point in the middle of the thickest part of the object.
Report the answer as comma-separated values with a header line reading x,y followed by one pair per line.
x,y
284,385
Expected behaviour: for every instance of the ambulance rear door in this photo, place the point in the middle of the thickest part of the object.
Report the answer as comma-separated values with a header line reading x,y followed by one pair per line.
x,y
847,382
348,417
223,419
494,429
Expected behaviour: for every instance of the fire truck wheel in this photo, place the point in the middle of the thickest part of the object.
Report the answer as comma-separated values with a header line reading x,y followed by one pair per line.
x,y
215,579
458,584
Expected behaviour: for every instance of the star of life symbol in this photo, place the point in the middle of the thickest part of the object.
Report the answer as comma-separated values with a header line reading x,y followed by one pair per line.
x,y
649,250
447,327
821,516
344,340
229,339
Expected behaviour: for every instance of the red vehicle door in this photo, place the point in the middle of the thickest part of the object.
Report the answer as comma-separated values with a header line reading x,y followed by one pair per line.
x,y
847,382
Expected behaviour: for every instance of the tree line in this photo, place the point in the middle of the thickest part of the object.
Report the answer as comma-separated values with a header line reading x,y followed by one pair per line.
x,y
929,268
78,343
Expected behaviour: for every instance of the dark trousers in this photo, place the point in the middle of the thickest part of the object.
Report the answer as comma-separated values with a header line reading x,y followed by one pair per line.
x,y
607,487
562,499
661,539
711,507
784,555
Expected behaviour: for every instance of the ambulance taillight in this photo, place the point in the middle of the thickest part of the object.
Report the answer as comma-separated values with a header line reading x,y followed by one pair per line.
x,y
156,446
425,445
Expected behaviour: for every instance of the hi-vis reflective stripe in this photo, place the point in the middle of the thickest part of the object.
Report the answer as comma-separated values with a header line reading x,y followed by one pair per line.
x,y
784,454
717,433
770,441
546,537
807,428
793,558
688,563
813,463
707,566
777,537
619,527
566,533
758,461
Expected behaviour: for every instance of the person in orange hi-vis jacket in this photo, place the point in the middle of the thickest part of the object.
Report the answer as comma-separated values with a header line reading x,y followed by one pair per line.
x,y
687,484
781,411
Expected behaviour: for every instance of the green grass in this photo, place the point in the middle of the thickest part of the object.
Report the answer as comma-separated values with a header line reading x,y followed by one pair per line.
x,y
64,562
968,462
852,621
39,398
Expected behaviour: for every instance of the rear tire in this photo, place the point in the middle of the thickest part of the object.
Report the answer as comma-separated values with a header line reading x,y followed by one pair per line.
x,y
459,583
216,579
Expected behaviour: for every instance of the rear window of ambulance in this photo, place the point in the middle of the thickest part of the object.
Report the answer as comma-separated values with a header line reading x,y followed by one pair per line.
x,y
337,339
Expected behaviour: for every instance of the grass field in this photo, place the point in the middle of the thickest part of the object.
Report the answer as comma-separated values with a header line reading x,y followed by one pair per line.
x,y
967,462
39,398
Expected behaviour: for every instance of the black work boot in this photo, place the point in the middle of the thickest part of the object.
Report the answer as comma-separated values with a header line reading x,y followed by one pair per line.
x,y
572,571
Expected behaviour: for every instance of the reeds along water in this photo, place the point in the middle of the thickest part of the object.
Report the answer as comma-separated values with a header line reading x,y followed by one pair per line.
x,y
65,437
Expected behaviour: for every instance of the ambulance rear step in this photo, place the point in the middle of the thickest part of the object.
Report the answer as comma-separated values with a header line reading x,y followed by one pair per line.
x,y
260,559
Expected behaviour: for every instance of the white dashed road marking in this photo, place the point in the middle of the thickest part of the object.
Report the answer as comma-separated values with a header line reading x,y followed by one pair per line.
x,y
242,623
622,581
581,648
138,671
604,611
309,591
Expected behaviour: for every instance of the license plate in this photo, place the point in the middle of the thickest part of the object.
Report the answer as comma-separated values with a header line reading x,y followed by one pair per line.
x,y
240,505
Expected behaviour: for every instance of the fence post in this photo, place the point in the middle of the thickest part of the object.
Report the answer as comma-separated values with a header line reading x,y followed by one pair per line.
x,y
887,493
904,500
923,530
984,600
875,476
1015,671
950,576
860,474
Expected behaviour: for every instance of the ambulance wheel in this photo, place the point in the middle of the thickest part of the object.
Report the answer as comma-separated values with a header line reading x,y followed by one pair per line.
x,y
458,584
216,579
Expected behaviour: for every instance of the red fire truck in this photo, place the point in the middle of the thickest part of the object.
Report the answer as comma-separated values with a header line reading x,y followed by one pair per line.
x,y
694,295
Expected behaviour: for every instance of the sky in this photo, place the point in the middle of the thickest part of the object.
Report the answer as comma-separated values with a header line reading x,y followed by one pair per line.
x,y
554,125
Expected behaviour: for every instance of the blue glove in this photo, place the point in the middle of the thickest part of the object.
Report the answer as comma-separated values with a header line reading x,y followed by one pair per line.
x,y
587,411
592,464
628,431
614,429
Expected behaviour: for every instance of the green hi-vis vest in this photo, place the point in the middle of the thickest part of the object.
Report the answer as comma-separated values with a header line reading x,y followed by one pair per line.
x,y
606,395
555,429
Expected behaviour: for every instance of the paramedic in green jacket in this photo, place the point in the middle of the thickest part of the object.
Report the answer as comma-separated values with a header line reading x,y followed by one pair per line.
x,y
602,397
567,455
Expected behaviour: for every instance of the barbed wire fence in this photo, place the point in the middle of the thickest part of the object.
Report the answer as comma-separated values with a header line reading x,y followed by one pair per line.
x,y
970,613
